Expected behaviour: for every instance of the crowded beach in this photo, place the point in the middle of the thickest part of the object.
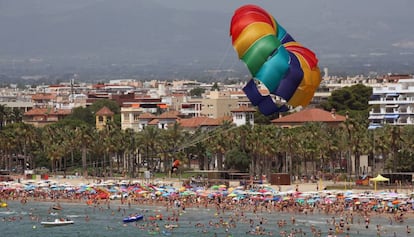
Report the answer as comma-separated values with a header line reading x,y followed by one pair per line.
x,y
345,208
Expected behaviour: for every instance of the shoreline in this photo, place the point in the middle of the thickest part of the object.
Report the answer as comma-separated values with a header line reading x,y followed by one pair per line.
x,y
353,217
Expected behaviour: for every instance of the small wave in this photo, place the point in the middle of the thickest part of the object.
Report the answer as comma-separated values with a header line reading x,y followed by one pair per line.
x,y
314,222
73,216
8,212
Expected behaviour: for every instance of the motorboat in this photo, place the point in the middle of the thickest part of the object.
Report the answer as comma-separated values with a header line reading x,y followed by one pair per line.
x,y
133,218
57,207
57,222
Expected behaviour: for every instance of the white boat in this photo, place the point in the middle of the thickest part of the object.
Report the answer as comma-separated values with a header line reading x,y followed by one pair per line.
x,y
57,222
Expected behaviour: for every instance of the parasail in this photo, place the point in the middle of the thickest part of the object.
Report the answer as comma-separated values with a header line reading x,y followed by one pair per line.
x,y
286,68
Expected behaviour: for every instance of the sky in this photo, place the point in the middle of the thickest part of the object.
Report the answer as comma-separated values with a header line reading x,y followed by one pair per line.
x,y
371,34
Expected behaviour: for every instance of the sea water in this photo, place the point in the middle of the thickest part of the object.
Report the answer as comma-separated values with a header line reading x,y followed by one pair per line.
x,y
24,220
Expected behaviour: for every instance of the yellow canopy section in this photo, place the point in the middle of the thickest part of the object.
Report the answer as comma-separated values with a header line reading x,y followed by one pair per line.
x,y
379,178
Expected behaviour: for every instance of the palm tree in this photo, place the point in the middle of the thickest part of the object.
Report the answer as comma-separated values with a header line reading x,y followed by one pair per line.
x,y
3,115
27,141
358,140
171,141
289,146
8,146
51,141
217,144
83,135
150,139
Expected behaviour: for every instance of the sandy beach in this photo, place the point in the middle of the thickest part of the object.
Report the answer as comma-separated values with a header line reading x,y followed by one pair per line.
x,y
336,211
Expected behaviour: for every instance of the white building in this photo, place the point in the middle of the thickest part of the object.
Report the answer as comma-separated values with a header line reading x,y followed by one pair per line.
x,y
393,104
243,115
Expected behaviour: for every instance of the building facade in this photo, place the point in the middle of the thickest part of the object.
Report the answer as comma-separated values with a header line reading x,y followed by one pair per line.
x,y
218,104
392,104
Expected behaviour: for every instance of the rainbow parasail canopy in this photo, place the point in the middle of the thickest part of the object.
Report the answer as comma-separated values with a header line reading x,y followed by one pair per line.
x,y
273,57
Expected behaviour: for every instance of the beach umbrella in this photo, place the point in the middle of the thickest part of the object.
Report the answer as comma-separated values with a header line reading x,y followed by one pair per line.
x,y
215,187
396,202
232,195
188,193
300,200
379,178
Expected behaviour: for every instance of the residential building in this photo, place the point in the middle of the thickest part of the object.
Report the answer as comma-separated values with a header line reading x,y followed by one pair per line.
x,y
130,117
40,117
43,100
243,115
392,104
103,116
144,120
218,104
202,123
309,115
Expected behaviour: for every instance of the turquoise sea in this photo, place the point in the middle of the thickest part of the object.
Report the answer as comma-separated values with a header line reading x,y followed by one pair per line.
x,y
24,220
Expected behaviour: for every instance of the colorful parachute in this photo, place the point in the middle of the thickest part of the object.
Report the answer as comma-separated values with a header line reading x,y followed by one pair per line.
x,y
273,57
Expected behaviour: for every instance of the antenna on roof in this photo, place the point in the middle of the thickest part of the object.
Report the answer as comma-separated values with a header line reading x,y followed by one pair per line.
x,y
72,81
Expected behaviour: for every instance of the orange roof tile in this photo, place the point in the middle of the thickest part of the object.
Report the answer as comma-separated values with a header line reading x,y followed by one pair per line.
x,y
203,121
169,115
50,111
197,122
105,111
310,115
243,109
153,122
146,116
43,96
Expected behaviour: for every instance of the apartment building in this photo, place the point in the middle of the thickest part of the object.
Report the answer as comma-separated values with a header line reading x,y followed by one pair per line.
x,y
393,104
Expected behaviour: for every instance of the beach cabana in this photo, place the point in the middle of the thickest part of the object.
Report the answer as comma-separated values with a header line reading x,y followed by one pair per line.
x,y
379,178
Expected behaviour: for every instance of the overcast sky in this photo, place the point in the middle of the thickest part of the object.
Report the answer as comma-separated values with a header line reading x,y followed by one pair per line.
x,y
141,29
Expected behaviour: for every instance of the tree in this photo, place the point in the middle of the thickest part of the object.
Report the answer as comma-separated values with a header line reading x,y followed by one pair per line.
x,y
82,114
84,136
215,87
197,92
236,159
350,100
3,115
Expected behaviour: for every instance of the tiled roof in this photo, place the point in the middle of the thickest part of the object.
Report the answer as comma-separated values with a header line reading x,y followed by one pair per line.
x,y
153,122
169,115
146,116
105,111
203,121
243,109
43,96
50,111
310,115
196,122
